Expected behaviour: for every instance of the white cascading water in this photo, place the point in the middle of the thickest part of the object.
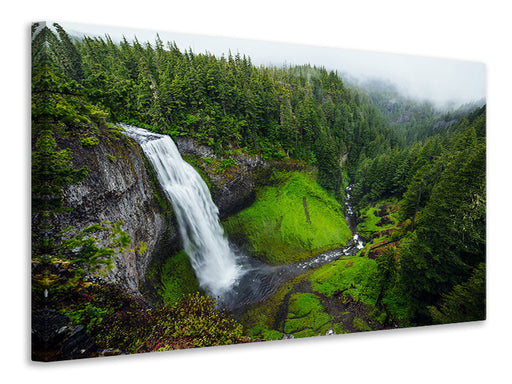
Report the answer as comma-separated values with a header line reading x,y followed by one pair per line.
x,y
198,217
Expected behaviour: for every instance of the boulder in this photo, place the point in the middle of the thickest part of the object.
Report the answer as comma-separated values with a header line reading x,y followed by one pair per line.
x,y
55,338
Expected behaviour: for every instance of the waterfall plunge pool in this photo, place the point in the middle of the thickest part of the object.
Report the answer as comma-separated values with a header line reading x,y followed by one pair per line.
x,y
225,273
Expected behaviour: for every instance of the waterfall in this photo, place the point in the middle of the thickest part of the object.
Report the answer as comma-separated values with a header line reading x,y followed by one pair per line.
x,y
203,238
237,279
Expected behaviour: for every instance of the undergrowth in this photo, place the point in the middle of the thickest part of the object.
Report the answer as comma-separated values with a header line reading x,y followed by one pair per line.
x,y
177,278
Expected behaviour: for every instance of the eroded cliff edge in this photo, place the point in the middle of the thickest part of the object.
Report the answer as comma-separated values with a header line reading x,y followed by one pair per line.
x,y
234,179
121,186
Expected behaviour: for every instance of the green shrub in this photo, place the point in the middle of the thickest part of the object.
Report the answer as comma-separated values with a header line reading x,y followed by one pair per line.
x,y
87,315
89,141
225,164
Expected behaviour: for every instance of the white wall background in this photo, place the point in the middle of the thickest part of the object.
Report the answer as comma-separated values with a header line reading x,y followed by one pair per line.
x,y
466,30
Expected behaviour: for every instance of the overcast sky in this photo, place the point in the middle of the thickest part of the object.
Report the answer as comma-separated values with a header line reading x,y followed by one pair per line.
x,y
434,79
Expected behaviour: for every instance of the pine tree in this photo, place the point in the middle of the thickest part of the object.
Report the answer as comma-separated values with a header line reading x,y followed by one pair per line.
x,y
465,302
449,240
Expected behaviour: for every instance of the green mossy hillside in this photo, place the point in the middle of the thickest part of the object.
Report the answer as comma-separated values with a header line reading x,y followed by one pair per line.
x,y
291,220
177,278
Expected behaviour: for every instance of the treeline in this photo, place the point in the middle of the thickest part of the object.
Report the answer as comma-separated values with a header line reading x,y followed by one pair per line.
x,y
412,119
300,112
447,248
395,170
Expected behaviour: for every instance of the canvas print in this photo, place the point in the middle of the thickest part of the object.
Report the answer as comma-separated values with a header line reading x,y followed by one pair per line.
x,y
192,191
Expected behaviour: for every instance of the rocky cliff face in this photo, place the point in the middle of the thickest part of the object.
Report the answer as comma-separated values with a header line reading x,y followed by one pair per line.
x,y
120,187
233,188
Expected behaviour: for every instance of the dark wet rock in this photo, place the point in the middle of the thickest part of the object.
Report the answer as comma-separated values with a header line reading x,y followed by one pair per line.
x,y
55,338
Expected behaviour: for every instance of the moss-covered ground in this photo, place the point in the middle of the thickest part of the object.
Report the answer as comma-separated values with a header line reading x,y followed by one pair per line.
x,y
177,278
290,221
337,297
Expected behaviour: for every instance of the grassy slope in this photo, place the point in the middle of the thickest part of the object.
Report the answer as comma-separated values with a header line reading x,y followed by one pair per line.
x,y
276,226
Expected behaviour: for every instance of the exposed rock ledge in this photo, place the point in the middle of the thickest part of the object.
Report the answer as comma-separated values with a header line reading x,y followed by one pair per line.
x,y
233,189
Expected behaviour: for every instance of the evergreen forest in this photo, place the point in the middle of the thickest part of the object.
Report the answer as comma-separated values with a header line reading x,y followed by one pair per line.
x,y
416,175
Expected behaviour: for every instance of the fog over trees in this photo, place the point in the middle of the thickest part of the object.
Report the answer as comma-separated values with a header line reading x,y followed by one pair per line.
x,y
444,82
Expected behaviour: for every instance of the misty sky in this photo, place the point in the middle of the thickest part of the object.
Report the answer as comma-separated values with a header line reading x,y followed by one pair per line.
x,y
438,80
